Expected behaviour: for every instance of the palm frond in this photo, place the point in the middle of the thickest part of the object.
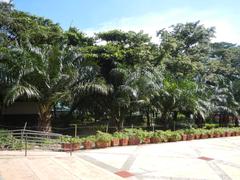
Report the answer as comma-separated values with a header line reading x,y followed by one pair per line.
x,y
93,88
20,90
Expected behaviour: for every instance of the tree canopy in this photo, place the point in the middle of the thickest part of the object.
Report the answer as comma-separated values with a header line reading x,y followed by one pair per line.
x,y
117,75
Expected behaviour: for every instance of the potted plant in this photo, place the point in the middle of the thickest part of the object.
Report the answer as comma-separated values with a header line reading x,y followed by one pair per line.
x,y
70,143
228,133
155,137
146,137
222,132
183,135
237,131
173,136
66,143
216,133
204,134
88,142
103,139
134,136
210,133
123,138
76,143
190,134
163,136
234,132
197,133
115,139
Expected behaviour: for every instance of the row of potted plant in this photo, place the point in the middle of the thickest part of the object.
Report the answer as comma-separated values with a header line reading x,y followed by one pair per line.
x,y
139,136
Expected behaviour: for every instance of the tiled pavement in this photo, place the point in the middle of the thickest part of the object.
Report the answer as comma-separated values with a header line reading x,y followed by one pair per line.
x,y
41,165
198,159
211,159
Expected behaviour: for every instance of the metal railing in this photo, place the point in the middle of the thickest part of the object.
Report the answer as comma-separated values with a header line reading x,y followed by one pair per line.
x,y
24,139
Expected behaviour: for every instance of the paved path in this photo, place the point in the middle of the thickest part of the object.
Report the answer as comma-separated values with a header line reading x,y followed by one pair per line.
x,y
49,166
198,159
211,159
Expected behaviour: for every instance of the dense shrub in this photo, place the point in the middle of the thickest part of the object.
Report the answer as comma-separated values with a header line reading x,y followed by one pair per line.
x,y
8,141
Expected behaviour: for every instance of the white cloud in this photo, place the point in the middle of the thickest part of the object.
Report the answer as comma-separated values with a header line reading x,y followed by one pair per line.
x,y
226,29
7,1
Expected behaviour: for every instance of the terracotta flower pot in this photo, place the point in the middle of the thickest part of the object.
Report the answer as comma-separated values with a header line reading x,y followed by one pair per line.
x,y
197,136
66,146
204,136
76,146
190,137
217,135
123,142
146,141
238,133
211,135
223,134
184,137
228,134
155,140
88,144
70,146
133,141
100,144
115,142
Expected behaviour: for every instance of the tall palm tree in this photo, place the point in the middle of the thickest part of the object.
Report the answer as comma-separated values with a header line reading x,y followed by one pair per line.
x,y
51,74
44,73
147,82
15,67
119,100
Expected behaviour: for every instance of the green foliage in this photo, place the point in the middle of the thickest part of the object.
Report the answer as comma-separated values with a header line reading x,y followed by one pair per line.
x,y
68,139
120,135
117,75
8,141
173,136
103,137
189,131
160,134
89,139
136,133
210,126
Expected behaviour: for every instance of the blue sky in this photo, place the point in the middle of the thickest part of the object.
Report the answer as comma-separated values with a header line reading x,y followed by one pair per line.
x,y
149,15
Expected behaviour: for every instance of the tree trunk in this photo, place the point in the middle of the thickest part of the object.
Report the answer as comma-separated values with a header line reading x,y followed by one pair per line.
x,y
45,118
44,125
164,120
175,114
1,109
148,118
119,120
236,122
199,121
54,113
120,124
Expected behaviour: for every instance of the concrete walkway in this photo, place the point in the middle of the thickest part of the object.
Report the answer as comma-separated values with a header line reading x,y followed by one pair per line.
x,y
217,158
198,159
49,166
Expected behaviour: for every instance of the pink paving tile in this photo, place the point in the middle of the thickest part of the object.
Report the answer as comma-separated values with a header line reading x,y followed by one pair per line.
x,y
124,174
205,158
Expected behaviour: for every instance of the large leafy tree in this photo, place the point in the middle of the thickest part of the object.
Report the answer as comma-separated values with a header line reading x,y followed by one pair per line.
x,y
39,62
117,73
184,47
48,75
223,76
